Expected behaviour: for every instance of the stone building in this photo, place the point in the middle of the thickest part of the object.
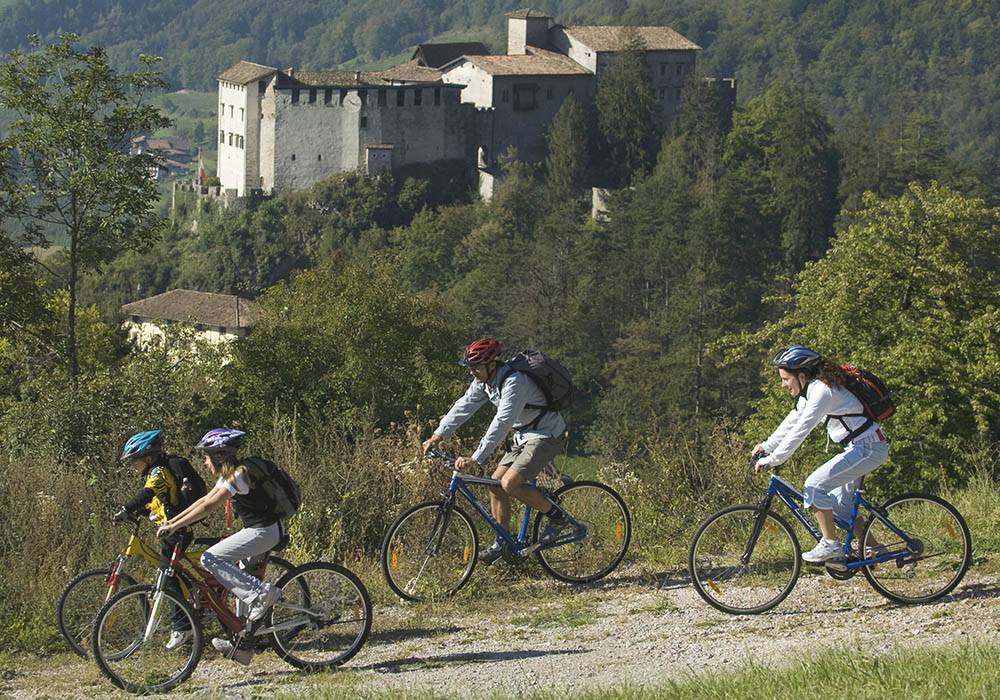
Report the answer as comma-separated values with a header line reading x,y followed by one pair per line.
x,y
285,130
281,130
216,317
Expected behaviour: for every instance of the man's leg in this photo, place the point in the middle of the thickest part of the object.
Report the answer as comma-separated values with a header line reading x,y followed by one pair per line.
x,y
499,500
533,456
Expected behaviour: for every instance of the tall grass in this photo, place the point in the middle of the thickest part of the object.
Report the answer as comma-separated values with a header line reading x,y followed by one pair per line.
x,y
56,520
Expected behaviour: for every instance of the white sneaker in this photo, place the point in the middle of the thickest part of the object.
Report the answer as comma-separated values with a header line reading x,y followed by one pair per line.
x,y
263,603
225,647
824,551
178,638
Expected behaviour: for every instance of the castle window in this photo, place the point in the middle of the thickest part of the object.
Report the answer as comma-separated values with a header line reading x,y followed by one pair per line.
x,y
222,137
400,98
242,116
222,109
261,85
312,96
327,96
663,93
230,138
663,69
680,69
293,156
505,96
418,97
548,93
363,96
295,96
381,97
319,156
343,96
230,110
437,96
364,122
524,96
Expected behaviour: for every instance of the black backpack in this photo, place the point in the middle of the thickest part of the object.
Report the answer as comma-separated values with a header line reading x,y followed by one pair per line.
x,y
276,484
190,485
549,375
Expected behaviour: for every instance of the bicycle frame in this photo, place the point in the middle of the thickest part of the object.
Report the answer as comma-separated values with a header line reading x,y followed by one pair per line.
x,y
794,500
136,546
211,593
518,544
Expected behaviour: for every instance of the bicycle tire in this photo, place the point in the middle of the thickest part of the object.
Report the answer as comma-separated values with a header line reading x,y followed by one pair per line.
x,y
75,619
116,650
939,536
403,576
608,533
333,589
732,542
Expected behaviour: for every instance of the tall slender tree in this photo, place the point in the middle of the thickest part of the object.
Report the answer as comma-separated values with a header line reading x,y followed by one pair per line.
x,y
75,180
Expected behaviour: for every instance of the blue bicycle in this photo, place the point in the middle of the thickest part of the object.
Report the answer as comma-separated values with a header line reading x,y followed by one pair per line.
x,y
745,559
430,550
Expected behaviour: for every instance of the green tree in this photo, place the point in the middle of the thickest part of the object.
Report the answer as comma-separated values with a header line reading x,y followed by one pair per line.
x,y
626,114
785,138
567,166
69,157
353,347
911,290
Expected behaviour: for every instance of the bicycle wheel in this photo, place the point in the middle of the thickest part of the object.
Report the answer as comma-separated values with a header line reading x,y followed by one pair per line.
x,y
609,531
944,549
323,617
732,585
429,552
130,636
80,600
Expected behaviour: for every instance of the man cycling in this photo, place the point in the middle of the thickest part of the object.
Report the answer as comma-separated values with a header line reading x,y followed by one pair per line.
x,y
539,435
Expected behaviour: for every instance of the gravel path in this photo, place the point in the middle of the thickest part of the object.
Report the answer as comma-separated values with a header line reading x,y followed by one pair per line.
x,y
638,628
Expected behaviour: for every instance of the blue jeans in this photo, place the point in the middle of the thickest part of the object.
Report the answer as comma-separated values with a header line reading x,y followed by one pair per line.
x,y
832,486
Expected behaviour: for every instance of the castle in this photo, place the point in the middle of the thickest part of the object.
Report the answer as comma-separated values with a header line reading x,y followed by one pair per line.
x,y
284,130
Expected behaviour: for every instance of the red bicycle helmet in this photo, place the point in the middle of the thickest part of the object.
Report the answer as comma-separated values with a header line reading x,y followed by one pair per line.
x,y
481,351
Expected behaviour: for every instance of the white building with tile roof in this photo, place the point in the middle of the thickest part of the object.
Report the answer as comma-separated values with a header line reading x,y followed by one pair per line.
x,y
284,130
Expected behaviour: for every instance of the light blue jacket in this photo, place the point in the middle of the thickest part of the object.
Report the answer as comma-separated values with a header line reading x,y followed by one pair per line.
x,y
511,392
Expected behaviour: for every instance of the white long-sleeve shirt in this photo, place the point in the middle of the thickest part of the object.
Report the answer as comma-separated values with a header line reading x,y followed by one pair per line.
x,y
817,401
512,393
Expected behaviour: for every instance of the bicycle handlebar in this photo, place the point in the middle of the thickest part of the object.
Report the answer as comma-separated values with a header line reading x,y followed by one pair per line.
x,y
446,457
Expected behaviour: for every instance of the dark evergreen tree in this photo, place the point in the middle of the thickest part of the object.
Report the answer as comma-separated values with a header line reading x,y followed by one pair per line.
x,y
626,114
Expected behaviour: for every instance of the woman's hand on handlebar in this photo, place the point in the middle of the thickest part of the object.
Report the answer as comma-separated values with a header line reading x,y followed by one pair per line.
x,y
757,455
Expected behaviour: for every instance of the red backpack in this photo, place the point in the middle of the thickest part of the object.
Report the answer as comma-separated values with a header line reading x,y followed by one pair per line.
x,y
871,391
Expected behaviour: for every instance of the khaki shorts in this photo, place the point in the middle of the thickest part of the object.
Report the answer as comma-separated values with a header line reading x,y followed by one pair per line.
x,y
530,458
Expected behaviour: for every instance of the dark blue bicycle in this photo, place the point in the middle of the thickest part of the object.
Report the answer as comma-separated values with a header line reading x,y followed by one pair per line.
x,y
745,559
430,550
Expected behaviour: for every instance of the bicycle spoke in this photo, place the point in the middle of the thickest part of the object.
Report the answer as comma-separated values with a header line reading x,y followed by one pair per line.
x,y
608,531
722,575
130,638
337,616
425,560
936,560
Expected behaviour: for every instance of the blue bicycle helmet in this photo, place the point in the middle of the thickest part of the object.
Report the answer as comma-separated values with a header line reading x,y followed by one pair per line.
x,y
142,444
797,358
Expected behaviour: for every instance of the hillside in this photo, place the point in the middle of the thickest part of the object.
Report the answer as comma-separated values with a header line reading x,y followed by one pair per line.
x,y
880,57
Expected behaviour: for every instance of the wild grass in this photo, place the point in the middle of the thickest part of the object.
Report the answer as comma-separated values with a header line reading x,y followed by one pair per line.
x,y
57,519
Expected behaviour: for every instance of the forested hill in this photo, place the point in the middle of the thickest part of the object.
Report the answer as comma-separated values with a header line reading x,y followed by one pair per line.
x,y
878,57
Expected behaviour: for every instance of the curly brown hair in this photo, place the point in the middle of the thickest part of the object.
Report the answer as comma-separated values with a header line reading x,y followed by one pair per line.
x,y
831,374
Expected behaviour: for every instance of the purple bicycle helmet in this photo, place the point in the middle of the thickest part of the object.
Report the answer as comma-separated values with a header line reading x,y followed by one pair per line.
x,y
221,439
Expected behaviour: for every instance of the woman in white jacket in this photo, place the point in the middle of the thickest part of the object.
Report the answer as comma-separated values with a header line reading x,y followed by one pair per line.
x,y
818,387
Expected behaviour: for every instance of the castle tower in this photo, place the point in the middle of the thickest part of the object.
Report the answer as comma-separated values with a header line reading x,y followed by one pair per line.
x,y
525,28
